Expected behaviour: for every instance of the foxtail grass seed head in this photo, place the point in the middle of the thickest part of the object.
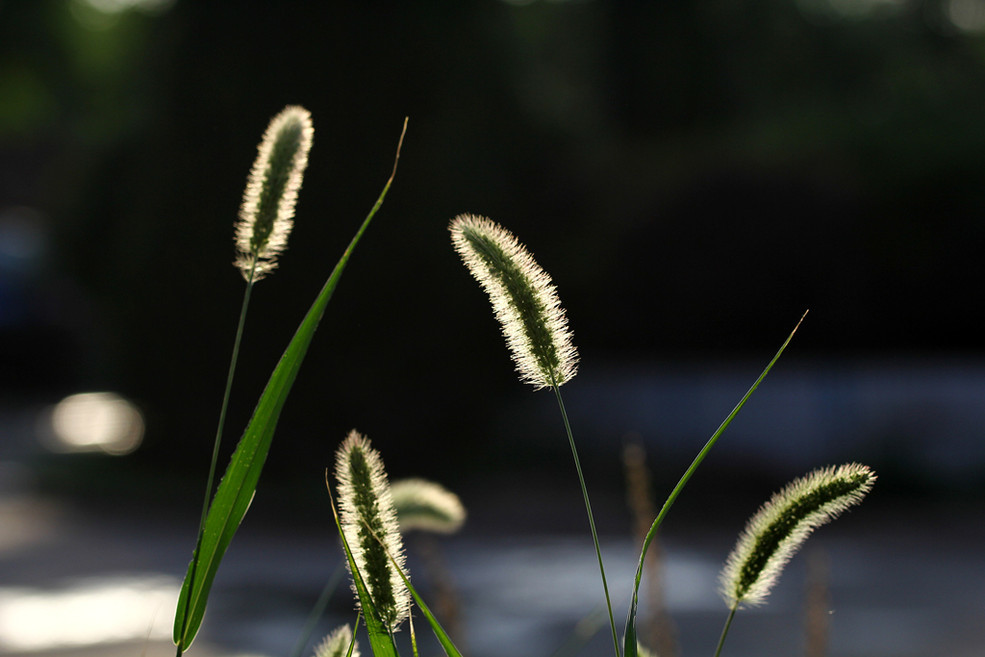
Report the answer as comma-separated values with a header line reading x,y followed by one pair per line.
x,y
779,528
267,212
426,506
337,643
524,300
368,519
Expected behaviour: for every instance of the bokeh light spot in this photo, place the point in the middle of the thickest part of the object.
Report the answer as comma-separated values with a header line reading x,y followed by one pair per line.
x,y
87,612
95,421
966,15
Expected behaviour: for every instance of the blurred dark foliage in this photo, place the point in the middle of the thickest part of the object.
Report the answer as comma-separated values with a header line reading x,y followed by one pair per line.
x,y
694,175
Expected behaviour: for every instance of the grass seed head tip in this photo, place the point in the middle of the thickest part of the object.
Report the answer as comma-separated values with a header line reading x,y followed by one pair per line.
x,y
426,506
780,527
523,297
267,211
369,521
337,643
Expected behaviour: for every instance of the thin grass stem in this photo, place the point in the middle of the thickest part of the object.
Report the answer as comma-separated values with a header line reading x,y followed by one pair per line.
x,y
439,632
318,610
210,481
355,628
588,509
584,631
630,625
413,635
728,624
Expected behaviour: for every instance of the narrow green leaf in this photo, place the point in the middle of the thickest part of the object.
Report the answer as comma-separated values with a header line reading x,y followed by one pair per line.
x,y
439,631
318,610
583,632
413,635
352,643
629,636
436,627
238,485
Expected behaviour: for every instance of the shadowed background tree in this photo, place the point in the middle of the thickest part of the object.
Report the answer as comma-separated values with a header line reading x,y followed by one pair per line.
x,y
694,175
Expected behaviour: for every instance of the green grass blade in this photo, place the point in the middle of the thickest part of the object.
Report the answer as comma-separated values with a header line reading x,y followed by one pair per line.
x,y
413,635
210,481
629,637
380,640
352,643
318,610
238,485
449,646
583,632
436,627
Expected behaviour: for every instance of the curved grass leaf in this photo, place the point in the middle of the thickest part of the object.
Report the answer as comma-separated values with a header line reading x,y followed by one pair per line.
x,y
238,485
629,637
449,646
318,610
450,649
352,643
380,640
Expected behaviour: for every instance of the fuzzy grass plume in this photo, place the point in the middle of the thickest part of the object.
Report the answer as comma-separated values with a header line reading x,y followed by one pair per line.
x,y
427,506
780,527
265,216
524,299
369,522
337,644
526,304
260,234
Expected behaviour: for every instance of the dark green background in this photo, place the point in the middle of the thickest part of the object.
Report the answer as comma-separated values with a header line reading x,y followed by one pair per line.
x,y
694,175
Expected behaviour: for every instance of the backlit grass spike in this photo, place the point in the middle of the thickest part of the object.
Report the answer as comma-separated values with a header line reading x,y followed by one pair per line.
x,y
524,300
337,644
427,506
369,521
780,527
267,212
